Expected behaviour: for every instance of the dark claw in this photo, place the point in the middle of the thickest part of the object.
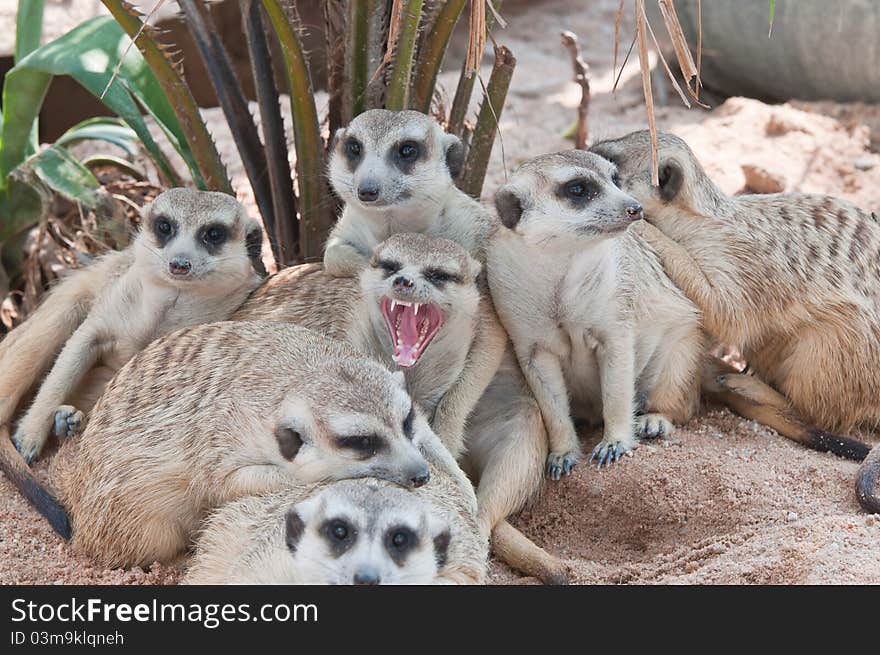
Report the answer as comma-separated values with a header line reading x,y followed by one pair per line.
x,y
567,466
661,430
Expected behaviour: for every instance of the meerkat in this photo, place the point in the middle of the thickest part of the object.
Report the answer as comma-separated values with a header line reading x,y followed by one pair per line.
x,y
350,532
416,307
792,280
216,412
598,329
395,172
195,260
407,274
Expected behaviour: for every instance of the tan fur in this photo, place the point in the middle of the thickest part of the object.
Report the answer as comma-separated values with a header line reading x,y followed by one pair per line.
x,y
453,371
592,319
104,314
244,542
202,416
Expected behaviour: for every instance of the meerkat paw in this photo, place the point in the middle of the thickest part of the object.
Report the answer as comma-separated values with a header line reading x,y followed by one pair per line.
x,y
610,450
559,464
652,426
28,445
68,422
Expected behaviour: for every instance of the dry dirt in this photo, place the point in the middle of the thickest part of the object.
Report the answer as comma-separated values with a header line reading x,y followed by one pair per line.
x,y
724,500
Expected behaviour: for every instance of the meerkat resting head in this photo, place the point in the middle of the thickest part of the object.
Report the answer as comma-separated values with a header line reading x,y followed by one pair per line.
x,y
198,237
557,201
419,283
394,160
352,418
365,533
684,187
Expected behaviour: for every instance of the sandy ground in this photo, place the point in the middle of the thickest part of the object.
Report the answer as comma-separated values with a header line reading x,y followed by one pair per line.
x,y
724,500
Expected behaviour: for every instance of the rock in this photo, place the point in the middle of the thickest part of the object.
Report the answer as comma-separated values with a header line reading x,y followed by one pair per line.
x,y
792,516
864,163
760,180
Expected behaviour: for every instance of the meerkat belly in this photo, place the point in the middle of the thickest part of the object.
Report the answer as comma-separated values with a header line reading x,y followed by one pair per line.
x,y
581,372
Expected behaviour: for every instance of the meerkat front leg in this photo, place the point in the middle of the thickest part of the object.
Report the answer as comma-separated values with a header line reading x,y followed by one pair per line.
x,y
344,259
543,372
77,357
616,359
68,421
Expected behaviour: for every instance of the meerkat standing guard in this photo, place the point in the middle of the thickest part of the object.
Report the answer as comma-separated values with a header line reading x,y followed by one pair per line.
x,y
589,312
395,172
195,259
350,532
792,280
416,308
216,412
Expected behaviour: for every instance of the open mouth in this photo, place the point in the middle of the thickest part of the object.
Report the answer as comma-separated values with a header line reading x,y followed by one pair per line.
x,y
412,326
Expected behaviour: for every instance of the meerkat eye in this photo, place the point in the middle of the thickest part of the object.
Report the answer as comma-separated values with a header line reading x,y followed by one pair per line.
x,y
164,229
163,226
400,539
580,190
364,445
408,150
214,235
339,530
388,266
340,535
353,148
438,277
408,422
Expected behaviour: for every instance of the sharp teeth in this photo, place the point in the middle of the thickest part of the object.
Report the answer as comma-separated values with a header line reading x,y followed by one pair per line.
x,y
393,305
416,309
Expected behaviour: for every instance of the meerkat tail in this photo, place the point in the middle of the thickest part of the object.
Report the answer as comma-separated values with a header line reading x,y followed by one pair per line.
x,y
866,482
12,464
516,550
753,399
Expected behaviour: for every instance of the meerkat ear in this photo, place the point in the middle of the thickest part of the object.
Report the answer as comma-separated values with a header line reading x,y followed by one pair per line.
x,y
441,548
294,527
289,441
293,427
509,206
253,243
671,179
338,136
454,154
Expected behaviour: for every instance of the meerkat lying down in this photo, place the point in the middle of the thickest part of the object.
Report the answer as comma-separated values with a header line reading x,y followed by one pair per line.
x,y
395,172
596,325
792,280
416,308
195,259
417,284
216,412
350,532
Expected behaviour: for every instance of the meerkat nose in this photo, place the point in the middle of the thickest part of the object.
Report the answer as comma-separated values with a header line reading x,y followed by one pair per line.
x,y
634,212
180,266
368,191
366,577
403,282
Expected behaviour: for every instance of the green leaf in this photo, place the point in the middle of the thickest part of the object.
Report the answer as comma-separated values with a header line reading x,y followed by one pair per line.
x,y
62,173
28,31
88,53
111,130
772,13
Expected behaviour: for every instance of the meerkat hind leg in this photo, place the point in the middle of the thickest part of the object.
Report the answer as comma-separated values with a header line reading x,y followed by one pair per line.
x,y
68,422
653,425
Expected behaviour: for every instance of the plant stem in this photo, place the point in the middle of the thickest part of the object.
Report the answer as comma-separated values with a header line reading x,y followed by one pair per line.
x,y
398,88
431,55
358,26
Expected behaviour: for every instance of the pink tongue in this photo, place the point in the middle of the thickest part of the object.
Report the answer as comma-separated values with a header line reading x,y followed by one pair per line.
x,y
409,334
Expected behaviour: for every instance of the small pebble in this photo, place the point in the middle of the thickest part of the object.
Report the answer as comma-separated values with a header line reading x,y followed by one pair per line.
x,y
870,520
864,163
792,516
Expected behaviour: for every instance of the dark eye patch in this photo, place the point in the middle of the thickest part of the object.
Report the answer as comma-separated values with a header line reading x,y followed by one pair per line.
x,y
406,153
615,178
164,229
365,446
438,276
400,541
390,267
353,150
339,534
213,236
579,191
408,422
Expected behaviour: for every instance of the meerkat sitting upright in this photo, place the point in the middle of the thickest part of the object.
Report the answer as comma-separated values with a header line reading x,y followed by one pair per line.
x,y
591,315
354,531
416,308
195,260
792,280
395,172
216,412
